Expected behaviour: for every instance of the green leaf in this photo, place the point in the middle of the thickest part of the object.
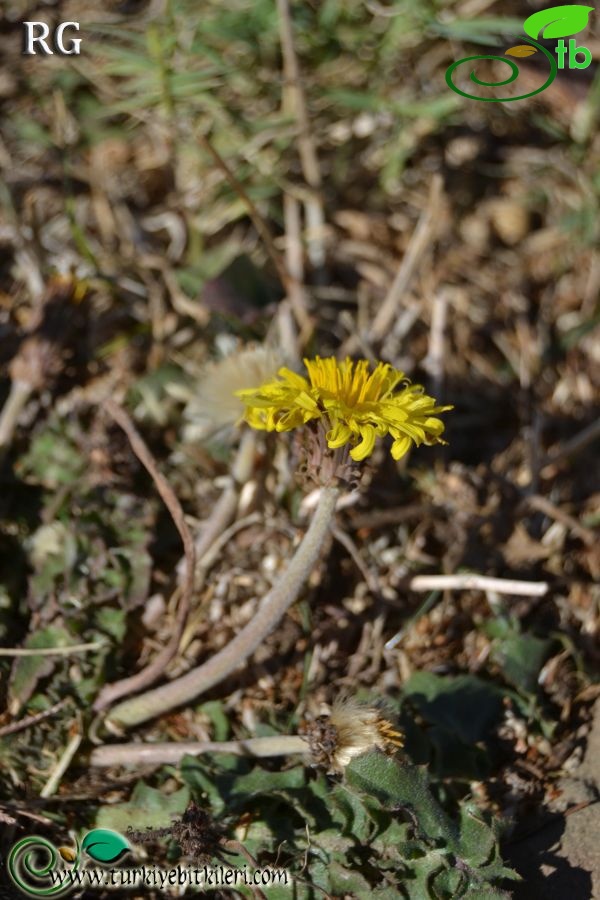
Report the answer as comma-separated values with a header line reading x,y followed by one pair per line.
x,y
559,21
28,670
356,820
394,784
448,884
111,621
104,845
346,882
482,30
148,807
477,839
521,657
218,719
258,781
479,892
465,705
203,782
53,459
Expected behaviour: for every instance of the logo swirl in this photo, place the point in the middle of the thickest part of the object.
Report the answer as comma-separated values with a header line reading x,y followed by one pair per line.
x,y
27,871
513,76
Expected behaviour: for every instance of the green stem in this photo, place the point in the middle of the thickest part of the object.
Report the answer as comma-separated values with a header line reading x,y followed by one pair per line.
x,y
269,614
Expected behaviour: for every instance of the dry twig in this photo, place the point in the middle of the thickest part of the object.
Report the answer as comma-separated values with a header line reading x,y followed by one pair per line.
x,y
434,361
155,669
28,721
226,506
233,655
469,582
545,506
52,651
39,357
139,754
574,445
257,219
294,102
53,782
419,242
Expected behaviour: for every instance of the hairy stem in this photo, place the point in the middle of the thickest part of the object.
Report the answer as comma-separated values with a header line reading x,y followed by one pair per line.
x,y
269,614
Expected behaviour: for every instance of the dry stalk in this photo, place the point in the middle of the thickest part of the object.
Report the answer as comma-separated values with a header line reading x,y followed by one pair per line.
x,y
20,392
434,361
39,358
138,754
269,614
155,669
264,231
545,506
295,268
420,240
572,447
294,103
257,219
34,719
226,506
469,582
52,651
56,776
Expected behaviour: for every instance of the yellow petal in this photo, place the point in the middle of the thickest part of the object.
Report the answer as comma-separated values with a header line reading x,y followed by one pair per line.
x,y
400,447
338,436
293,378
366,446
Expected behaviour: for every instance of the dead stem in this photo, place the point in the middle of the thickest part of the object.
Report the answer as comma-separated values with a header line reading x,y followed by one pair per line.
x,y
294,103
545,506
434,361
469,582
295,267
269,614
20,392
226,506
348,544
170,753
257,219
574,445
75,739
154,670
66,650
28,721
420,240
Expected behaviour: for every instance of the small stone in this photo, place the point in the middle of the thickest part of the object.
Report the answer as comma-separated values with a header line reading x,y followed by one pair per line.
x,y
509,220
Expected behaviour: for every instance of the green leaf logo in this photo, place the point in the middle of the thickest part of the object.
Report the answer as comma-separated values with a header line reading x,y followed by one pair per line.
x,y
560,21
105,846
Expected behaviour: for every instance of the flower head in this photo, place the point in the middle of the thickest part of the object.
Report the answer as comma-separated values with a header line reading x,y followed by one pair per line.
x,y
352,729
356,405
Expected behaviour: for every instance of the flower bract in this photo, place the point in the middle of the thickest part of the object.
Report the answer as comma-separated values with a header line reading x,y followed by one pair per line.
x,y
355,404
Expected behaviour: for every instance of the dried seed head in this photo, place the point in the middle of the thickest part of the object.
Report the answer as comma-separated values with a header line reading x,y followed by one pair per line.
x,y
214,404
351,730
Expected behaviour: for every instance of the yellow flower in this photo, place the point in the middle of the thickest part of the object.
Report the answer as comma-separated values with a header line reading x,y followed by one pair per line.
x,y
356,405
